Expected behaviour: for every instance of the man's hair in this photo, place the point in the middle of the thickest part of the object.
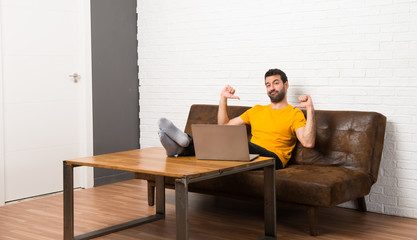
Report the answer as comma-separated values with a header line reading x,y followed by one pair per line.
x,y
276,71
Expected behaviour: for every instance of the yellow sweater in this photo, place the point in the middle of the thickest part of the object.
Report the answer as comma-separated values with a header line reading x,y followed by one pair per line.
x,y
274,129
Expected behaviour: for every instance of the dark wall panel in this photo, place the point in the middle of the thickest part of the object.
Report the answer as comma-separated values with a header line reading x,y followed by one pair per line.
x,y
115,82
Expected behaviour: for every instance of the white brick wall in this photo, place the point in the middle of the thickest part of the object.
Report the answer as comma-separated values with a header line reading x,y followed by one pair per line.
x,y
349,55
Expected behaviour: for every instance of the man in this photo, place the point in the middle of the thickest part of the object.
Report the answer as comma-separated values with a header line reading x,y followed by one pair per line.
x,y
275,127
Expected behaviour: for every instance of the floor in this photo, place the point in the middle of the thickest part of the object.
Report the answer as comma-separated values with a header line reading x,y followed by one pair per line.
x,y
210,218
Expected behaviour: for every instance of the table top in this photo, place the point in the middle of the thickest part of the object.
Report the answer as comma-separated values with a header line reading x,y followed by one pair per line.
x,y
155,161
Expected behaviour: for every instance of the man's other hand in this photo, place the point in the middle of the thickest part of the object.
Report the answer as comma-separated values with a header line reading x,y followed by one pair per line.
x,y
228,92
305,102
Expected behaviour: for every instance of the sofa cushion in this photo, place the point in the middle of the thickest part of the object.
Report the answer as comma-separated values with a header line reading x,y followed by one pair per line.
x,y
321,185
348,139
303,184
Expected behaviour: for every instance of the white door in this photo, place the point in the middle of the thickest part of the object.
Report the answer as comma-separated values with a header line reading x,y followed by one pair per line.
x,y
46,113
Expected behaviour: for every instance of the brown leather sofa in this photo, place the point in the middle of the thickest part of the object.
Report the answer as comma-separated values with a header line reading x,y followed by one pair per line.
x,y
341,167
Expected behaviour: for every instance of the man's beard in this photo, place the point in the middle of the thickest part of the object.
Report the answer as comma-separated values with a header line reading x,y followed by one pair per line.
x,y
278,97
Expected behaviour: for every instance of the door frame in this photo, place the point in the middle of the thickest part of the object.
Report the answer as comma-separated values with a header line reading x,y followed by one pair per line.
x,y
87,173
2,169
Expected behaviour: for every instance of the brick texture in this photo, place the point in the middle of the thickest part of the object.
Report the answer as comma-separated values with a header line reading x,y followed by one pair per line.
x,y
348,55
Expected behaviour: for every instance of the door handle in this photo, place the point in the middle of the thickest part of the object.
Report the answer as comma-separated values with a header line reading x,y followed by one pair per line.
x,y
76,77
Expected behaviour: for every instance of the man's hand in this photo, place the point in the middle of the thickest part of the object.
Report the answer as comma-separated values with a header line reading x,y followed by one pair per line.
x,y
307,135
305,102
228,92
222,117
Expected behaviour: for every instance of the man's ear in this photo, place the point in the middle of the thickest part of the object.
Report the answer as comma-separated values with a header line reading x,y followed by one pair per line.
x,y
286,85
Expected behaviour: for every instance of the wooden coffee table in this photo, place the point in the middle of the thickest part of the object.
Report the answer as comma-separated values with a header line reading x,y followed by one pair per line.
x,y
186,170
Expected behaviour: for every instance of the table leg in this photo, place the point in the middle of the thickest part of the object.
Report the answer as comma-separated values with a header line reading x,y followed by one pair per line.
x,y
69,209
160,195
181,208
68,201
270,210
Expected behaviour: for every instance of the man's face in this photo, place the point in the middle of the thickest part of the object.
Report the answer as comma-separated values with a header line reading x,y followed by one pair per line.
x,y
275,88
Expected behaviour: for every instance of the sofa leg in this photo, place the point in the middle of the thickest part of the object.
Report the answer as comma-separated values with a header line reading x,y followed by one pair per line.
x,y
361,204
151,193
312,218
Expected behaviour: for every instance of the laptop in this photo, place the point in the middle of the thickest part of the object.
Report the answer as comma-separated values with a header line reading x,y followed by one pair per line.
x,y
221,142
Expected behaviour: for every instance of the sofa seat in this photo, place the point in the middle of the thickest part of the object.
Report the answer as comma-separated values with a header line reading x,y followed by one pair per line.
x,y
302,184
321,185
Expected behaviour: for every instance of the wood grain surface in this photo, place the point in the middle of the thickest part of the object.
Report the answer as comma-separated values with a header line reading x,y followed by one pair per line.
x,y
154,161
